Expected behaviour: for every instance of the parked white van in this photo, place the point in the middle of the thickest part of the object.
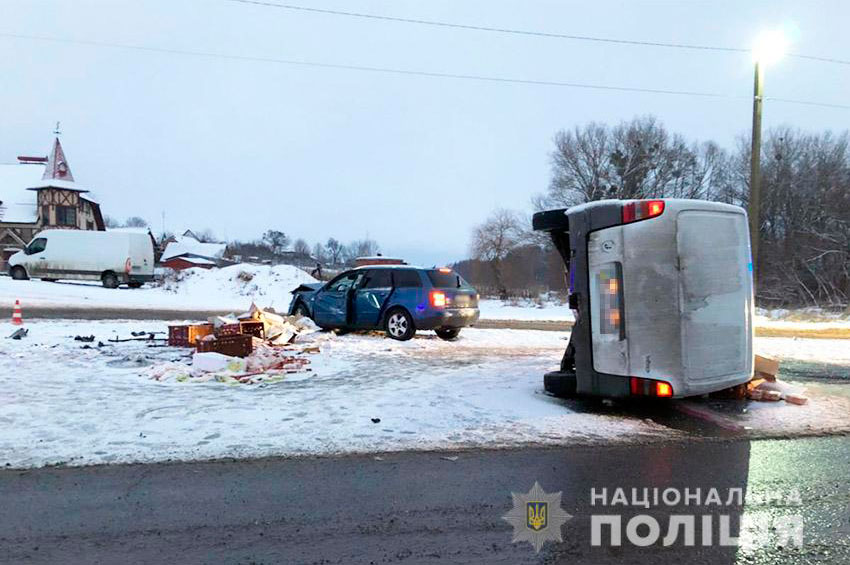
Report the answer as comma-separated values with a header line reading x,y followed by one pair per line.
x,y
114,258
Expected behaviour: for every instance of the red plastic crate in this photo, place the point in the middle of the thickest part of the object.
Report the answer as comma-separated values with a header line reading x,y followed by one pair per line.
x,y
187,335
233,345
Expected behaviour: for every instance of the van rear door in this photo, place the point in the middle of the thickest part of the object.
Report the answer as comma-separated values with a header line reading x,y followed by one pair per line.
x,y
715,289
141,254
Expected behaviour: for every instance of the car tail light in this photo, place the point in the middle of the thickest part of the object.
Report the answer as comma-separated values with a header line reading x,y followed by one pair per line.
x,y
649,387
609,281
438,298
641,210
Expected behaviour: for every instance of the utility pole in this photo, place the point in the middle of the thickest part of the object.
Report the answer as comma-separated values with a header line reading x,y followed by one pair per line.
x,y
755,168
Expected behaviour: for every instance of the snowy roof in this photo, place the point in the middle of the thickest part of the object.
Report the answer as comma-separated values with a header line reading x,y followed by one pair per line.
x,y
194,260
144,231
50,183
18,204
185,245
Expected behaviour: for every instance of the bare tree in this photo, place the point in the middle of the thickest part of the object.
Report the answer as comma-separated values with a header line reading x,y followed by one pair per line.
x,y
301,248
135,222
493,240
319,253
276,240
361,248
206,236
636,159
334,251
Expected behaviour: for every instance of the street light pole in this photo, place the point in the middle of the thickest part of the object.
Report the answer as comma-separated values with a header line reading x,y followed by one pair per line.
x,y
755,168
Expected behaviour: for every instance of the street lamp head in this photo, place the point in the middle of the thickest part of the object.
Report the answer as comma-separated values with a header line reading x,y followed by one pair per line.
x,y
769,47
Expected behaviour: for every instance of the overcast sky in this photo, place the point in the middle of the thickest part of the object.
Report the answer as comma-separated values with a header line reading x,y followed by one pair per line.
x,y
241,146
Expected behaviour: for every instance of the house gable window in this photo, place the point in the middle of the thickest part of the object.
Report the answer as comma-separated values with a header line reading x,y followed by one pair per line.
x,y
66,216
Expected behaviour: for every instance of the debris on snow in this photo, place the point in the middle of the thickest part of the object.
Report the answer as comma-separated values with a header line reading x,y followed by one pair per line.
x,y
255,347
19,333
212,362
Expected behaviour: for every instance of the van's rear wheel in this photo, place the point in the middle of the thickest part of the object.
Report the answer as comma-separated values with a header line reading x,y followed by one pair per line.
x,y
110,280
19,273
447,334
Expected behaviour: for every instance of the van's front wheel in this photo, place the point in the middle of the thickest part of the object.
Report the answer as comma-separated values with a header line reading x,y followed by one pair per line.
x,y
109,280
19,273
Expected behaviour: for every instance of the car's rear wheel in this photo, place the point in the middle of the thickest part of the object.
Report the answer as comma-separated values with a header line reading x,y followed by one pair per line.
x,y
447,334
19,273
399,324
301,310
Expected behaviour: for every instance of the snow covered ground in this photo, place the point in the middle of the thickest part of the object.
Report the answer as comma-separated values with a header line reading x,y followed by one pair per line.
x,y
492,309
230,288
63,402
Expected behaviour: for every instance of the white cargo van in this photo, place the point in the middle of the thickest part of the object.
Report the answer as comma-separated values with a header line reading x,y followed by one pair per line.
x,y
114,258
663,295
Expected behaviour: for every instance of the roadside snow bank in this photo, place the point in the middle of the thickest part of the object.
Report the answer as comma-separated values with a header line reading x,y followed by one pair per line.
x,y
230,288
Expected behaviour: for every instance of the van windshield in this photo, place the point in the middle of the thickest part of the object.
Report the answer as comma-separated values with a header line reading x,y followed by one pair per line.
x,y
37,246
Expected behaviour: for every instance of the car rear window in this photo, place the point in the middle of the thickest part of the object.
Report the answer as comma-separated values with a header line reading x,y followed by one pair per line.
x,y
441,279
407,278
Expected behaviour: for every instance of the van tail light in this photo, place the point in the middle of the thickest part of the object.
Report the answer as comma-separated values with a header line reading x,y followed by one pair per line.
x,y
663,389
649,387
641,210
609,280
438,298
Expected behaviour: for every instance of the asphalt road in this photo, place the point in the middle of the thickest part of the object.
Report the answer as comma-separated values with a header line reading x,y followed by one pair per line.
x,y
413,507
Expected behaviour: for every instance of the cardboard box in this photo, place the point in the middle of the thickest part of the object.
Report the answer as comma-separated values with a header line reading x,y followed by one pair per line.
x,y
766,365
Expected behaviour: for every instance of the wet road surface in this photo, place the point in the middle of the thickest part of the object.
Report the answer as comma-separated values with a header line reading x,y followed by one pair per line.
x,y
419,507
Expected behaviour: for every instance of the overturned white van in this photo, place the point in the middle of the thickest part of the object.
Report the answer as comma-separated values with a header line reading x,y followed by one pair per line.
x,y
112,257
662,292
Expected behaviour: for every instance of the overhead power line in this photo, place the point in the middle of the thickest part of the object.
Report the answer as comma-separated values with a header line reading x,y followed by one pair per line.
x,y
512,31
395,71
486,28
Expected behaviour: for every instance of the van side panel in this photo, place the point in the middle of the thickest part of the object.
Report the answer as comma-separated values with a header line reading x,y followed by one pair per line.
x,y
86,255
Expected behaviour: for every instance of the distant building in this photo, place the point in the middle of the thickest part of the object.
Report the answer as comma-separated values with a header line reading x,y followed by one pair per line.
x,y
38,193
185,251
378,260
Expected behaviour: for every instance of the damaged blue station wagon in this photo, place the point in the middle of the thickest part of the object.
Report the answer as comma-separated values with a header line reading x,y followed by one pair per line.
x,y
399,299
